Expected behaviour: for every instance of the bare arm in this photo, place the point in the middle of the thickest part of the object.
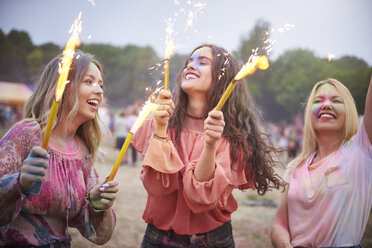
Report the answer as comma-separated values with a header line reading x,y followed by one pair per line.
x,y
280,236
368,112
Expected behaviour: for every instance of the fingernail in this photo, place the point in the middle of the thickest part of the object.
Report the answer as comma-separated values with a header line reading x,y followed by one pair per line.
x,y
102,189
105,185
101,194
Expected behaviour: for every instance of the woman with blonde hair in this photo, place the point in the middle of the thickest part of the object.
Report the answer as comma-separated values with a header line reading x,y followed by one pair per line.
x,y
328,201
43,192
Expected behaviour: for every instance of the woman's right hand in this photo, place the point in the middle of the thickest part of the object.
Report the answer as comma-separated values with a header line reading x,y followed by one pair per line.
x,y
163,112
34,168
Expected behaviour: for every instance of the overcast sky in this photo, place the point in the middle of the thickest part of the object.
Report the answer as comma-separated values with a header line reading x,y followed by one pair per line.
x,y
339,27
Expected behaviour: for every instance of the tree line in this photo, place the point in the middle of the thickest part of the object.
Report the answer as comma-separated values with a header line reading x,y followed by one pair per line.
x,y
280,91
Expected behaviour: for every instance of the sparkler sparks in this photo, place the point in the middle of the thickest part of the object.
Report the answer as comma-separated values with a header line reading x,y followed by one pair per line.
x,y
63,68
330,57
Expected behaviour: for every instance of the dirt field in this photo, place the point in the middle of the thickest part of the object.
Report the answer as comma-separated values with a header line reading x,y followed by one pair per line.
x,y
251,224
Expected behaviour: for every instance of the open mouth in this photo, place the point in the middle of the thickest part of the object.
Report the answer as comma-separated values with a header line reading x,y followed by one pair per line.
x,y
327,115
191,75
93,102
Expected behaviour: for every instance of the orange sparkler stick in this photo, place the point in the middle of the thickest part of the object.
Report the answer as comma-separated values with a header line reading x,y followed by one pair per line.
x,y
147,109
248,69
62,80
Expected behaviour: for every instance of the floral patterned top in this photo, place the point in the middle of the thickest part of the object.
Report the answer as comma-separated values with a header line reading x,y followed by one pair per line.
x,y
43,218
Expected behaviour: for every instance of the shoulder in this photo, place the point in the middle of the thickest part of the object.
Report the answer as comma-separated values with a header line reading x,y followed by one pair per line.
x,y
25,129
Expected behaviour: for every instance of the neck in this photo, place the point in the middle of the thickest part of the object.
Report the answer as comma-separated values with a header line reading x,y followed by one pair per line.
x,y
63,136
196,113
328,144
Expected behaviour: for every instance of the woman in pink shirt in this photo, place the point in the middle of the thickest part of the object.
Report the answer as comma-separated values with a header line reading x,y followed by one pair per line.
x,y
43,192
192,165
329,197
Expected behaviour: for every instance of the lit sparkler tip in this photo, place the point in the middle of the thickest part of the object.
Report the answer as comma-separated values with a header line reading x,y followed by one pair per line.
x,y
330,57
92,2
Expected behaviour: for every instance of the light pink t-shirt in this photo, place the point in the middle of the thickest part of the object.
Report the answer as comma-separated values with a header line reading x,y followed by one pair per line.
x,y
329,201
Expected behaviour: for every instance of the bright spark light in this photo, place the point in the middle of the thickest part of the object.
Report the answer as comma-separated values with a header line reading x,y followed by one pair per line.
x,y
251,66
68,54
330,57
92,2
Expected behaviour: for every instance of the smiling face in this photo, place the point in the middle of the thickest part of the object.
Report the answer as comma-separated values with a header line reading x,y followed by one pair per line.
x,y
197,75
90,93
328,110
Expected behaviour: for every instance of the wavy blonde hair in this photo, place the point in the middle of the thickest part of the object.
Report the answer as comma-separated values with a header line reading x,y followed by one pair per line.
x,y
351,125
38,105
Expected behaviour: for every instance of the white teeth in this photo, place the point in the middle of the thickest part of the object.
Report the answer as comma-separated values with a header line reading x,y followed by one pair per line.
x,y
93,102
191,76
326,116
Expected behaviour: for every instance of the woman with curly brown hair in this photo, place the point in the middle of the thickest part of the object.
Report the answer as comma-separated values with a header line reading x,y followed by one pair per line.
x,y
195,156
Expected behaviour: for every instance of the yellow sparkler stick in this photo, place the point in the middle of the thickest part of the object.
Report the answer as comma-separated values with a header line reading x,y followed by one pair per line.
x,y
248,69
120,157
166,74
72,42
147,109
168,51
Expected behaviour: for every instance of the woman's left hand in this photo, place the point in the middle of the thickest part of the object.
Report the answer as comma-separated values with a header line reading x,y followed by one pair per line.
x,y
213,127
103,195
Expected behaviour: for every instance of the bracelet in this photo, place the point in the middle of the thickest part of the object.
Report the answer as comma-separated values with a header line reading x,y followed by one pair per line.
x,y
160,137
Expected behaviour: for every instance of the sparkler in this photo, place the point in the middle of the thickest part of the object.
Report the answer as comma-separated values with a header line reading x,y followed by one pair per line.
x,y
146,110
248,68
68,55
330,57
170,48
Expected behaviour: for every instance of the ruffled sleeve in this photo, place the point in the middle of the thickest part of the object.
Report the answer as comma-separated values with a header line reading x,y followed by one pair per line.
x,y
161,162
14,148
204,196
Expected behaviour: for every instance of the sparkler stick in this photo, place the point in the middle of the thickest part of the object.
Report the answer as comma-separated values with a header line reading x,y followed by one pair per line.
x,y
248,69
147,109
62,80
170,47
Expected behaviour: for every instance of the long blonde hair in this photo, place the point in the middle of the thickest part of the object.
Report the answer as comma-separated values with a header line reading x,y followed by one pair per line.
x,y
351,125
38,105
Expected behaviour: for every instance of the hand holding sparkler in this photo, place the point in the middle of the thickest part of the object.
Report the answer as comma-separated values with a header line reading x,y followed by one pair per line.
x,y
248,68
164,110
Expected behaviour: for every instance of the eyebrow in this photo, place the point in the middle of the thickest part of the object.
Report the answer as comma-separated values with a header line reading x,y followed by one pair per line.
x,y
92,76
199,58
332,97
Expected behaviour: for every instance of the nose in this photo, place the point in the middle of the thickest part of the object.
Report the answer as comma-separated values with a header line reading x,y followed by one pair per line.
x,y
97,89
327,104
192,64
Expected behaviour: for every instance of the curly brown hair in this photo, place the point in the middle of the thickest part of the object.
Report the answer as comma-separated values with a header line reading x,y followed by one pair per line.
x,y
242,118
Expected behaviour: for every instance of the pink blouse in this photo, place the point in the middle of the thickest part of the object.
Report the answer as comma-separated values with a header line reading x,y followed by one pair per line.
x,y
176,200
40,219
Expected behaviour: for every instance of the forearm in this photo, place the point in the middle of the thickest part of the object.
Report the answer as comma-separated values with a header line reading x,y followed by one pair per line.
x,y
206,164
280,237
368,112
11,200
